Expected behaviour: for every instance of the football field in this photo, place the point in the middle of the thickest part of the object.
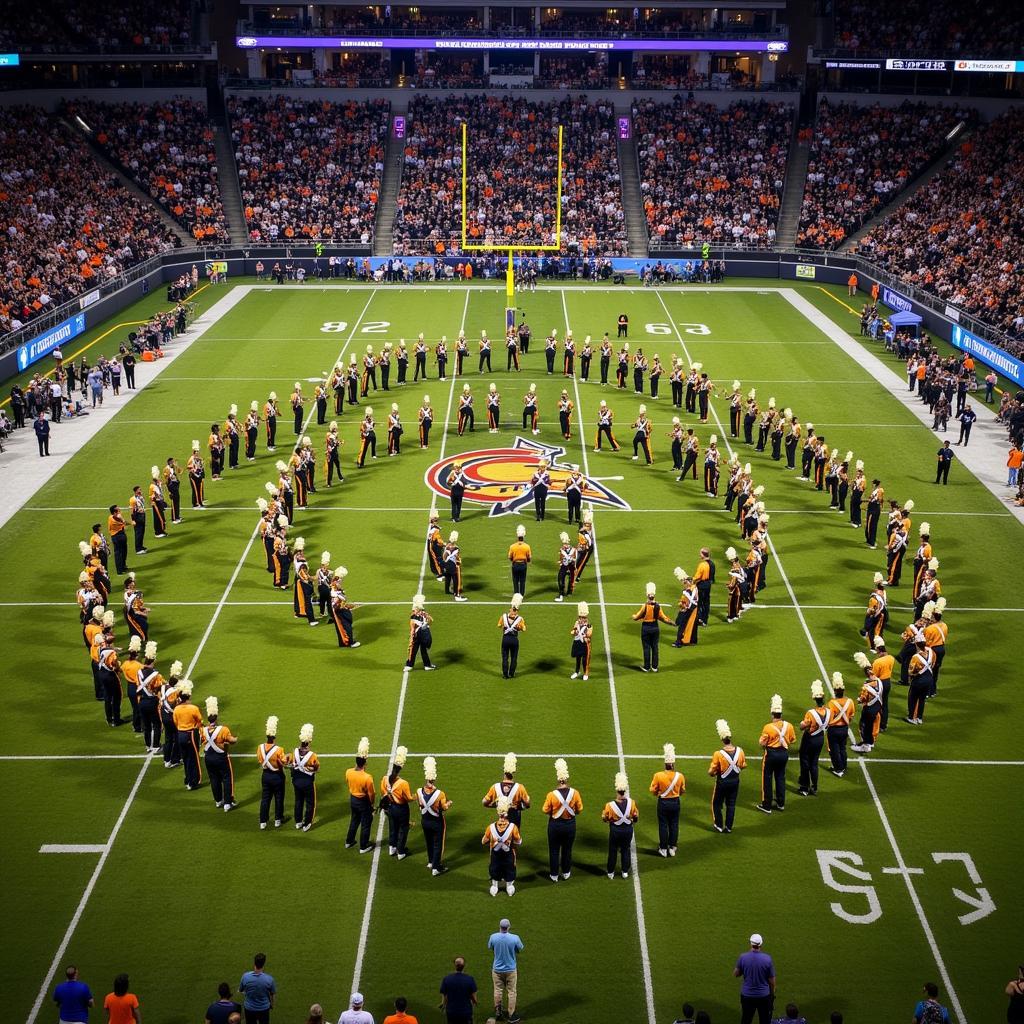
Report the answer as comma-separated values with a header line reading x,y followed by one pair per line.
x,y
899,873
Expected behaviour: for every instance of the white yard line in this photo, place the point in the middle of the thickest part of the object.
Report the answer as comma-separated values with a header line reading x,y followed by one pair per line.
x,y
828,682
371,886
641,924
73,848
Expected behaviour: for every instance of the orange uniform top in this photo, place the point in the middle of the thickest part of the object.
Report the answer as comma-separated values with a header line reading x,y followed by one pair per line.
x,y
614,811
187,717
307,763
778,734
816,720
514,792
501,839
360,783
563,803
131,669
519,552
115,525
725,763
882,666
668,784
702,572
400,1018
840,711
271,757
651,611
217,737
399,793
935,634
90,631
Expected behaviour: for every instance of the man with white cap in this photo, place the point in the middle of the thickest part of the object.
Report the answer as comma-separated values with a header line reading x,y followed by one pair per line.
x,y
506,946
775,740
668,785
356,1014
757,994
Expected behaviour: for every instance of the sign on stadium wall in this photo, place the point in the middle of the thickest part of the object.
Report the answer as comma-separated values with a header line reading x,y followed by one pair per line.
x,y
988,353
86,300
896,301
806,270
43,344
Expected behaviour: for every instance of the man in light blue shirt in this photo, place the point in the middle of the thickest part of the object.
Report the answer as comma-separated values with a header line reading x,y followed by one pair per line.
x,y
259,990
504,972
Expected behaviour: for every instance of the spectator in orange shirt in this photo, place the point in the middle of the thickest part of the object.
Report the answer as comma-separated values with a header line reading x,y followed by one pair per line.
x,y
121,1005
400,1016
852,284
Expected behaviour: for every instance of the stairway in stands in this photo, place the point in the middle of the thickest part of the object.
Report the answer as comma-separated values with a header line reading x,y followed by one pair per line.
x,y
227,177
793,193
387,201
632,205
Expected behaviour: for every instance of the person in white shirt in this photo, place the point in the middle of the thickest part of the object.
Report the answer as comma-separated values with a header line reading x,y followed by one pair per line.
x,y
356,1014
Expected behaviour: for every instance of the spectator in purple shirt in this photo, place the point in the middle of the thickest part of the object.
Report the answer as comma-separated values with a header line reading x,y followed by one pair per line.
x,y
73,998
757,994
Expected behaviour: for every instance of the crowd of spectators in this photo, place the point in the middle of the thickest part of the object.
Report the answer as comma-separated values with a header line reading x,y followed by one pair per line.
x,y
443,71
961,236
68,224
512,175
358,71
121,26
309,169
167,148
712,174
861,158
665,71
933,28
589,71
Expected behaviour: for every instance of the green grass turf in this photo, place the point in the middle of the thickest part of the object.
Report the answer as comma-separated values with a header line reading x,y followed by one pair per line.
x,y
180,876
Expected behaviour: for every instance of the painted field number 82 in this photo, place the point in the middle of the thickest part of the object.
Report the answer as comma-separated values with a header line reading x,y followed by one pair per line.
x,y
849,866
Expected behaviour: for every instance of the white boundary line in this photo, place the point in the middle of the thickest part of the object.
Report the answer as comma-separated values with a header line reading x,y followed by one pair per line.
x,y
929,935
73,848
641,923
371,886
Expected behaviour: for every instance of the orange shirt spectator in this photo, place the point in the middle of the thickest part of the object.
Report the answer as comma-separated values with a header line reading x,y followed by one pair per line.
x,y
121,1005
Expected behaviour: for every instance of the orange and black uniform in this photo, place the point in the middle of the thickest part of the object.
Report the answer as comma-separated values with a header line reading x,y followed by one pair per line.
x,y
395,798
515,793
360,801
642,439
776,738
367,442
273,761
305,764
621,814
813,731
876,618
519,554
303,604
109,669
432,803
511,624
169,698
420,638
870,701
935,636
561,805
217,740
130,668
687,618
668,786
159,507
649,615
725,768
582,633
435,549
840,715
149,685
502,837
704,577
921,669
187,722
882,668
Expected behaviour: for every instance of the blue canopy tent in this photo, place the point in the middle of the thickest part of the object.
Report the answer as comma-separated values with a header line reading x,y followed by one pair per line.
x,y
906,322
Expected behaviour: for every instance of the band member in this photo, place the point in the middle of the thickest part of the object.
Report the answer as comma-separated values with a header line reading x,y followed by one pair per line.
x,y
622,367
324,575
812,728
750,415
187,723
420,354
876,618
232,435
840,714
297,402
875,498
281,558
568,355
735,586
584,545
149,683
778,430
217,739
510,790
807,453
171,476
675,437
267,525
130,669
605,419
302,599
686,618
896,548
341,610
525,334
157,504
882,667
425,416
520,555
586,355
843,490
352,381
332,454
792,438
384,363
561,805
511,624
691,451
692,379
451,562
466,418
435,546
502,837
252,429
493,409
649,616
394,431
137,513
753,567
606,358
639,370
136,614
704,388
582,634
712,461
668,785
871,700
289,486
764,425
642,435
675,380
531,418
565,408
304,766
420,638
550,348
930,588
920,668
485,352
461,352
726,764
621,813
270,414
336,383
922,556
936,633
367,438
566,567
196,473
441,356
735,409
776,738
369,374
512,350
457,483
169,697
360,800
395,797
574,487
273,760
402,361
433,804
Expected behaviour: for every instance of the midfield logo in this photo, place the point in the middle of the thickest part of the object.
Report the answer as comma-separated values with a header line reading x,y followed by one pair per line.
x,y
500,477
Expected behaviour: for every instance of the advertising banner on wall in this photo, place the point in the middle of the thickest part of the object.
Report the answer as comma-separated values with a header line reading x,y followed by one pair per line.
x,y
1000,361
43,344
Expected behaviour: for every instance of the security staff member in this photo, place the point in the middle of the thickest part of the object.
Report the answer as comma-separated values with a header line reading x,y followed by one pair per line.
x,y
187,722
433,804
561,805
775,740
726,765
520,555
118,539
395,797
812,739
540,484
305,764
649,615
137,511
668,785
621,813
217,740
840,714
511,624
272,760
360,799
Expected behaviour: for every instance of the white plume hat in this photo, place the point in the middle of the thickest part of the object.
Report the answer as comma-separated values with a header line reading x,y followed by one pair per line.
x,y
651,589
776,705
195,446
282,520
643,409
453,537
933,564
185,687
306,733
175,669
861,659
418,600
520,531
817,690
837,681
430,769
108,617
517,600
924,529
564,537
908,506
363,749
730,553
212,707
879,578
669,751
262,504
736,385
254,406
154,471
583,609
561,770
621,782
150,650
879,642
325,558
271,726
401,755
135,644
511,763
84,548
723,730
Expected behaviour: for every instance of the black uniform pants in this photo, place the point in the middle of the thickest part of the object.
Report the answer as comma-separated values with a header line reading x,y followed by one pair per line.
x,y
838,735
305,797
773,776
457,494
149,712
649,634
272,788
222,778
502,867
620,840
668,824
139,524
759,1005
112,696
540,502
574,501
189,752
810,752
724,795
519,578
561,836
433,838
361,817
398,828
172,755
509,655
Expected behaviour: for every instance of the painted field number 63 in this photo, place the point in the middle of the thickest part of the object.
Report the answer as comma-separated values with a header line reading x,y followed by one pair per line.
x,y
667,328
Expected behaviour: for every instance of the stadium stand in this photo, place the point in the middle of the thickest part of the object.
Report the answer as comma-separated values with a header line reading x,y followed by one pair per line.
x,y
861,158
309,168
512,190
168,150
440,71
68,223
961,236
358,71
712,174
